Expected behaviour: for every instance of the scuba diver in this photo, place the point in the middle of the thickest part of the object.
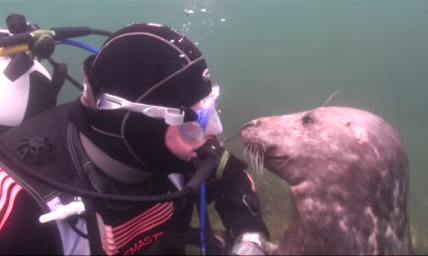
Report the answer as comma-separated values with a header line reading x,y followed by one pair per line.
x,y
119,170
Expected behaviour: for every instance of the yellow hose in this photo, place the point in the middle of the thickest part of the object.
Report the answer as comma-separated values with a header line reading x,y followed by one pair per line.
x,y
4,51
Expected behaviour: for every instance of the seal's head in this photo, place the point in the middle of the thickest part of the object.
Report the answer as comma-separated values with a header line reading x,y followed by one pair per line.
x,y
348,176
297,146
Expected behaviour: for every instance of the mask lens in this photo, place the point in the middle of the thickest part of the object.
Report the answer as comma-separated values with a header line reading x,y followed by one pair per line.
x,y
208,122
192,131
214,125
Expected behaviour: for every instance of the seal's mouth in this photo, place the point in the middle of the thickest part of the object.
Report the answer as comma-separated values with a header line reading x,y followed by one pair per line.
x,y
268,152
275,157
264,154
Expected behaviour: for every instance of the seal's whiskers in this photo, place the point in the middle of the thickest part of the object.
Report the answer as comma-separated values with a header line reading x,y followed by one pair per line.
x,y
262,157
334,93
264,149
254,155
256,158
252,158
239,147
244,153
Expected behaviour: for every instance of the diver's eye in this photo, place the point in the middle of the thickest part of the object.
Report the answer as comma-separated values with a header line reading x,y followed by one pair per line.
x,y
307,120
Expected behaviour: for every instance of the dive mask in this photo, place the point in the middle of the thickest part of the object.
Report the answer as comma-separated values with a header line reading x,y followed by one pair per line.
x,y
197,122
208,122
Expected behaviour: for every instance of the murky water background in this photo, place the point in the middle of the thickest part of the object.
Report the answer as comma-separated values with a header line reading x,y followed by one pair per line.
x,y
275,57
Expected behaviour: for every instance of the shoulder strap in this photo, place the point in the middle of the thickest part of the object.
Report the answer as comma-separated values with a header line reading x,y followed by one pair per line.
x,y
81,159
59,75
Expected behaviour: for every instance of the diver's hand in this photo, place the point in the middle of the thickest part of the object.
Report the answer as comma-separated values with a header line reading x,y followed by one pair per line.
x,y
251,243
236,200
226,163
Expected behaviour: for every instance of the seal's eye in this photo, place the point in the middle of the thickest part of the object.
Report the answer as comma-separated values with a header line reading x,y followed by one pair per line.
x,y
307,120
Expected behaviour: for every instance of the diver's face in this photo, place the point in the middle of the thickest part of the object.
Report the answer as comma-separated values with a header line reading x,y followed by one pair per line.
x,y
180,145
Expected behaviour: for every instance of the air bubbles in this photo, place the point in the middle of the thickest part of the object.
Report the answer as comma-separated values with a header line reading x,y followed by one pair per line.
x,y
186,27
201,17
188,12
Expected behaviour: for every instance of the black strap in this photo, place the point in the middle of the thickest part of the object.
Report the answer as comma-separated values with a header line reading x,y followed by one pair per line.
x,y
59,75
66,76
92,222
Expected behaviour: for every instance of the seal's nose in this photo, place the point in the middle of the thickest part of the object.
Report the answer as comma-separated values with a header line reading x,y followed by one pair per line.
x,y
249,124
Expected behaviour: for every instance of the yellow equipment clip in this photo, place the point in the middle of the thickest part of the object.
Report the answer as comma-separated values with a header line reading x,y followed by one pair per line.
x,y
5,51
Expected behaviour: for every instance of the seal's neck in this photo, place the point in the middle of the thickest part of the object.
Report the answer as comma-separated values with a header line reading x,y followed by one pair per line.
x,y
315,225
109,166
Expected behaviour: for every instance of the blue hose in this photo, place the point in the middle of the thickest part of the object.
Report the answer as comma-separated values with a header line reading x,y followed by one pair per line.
x,y
202,219
80,45
202,192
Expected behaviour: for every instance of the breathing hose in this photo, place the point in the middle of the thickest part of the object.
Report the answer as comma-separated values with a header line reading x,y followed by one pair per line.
x,y
201,174
80,45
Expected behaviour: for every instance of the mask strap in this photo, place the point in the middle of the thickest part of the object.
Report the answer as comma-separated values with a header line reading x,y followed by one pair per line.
x,y
87,98
172,116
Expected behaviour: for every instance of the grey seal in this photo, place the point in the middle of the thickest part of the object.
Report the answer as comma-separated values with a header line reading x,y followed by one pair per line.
x,y
348,175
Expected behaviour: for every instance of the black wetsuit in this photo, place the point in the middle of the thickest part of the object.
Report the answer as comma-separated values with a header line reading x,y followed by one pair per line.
x,y
107,227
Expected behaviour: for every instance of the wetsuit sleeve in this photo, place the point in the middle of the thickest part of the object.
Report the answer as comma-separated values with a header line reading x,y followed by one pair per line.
x,y
236,201
20,230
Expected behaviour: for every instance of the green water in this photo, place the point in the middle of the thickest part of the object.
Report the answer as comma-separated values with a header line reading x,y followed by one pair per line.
x,y
273,57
